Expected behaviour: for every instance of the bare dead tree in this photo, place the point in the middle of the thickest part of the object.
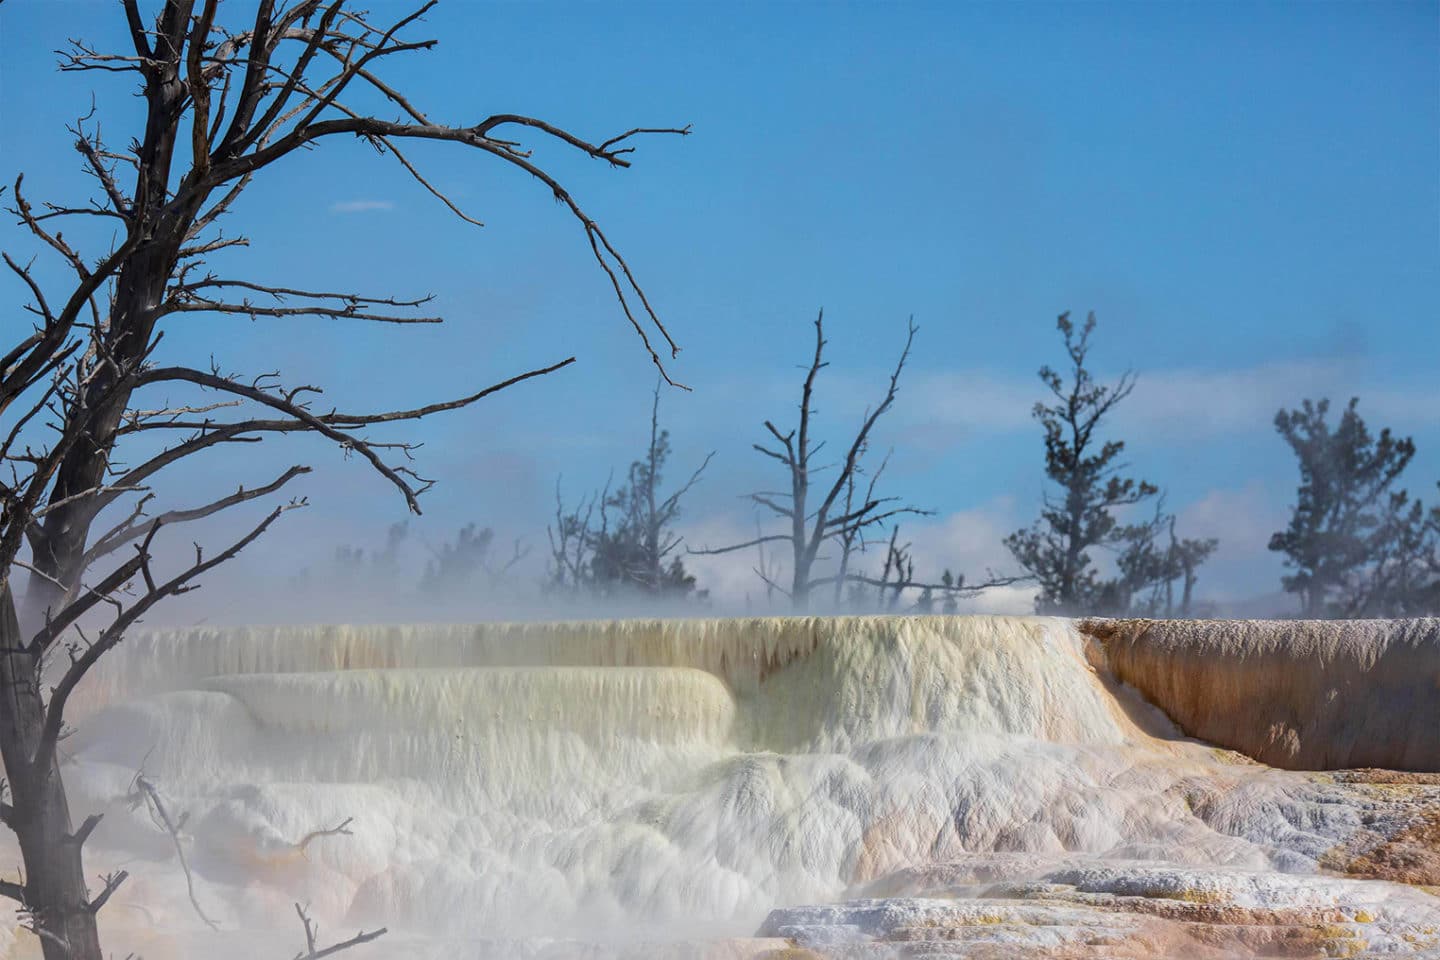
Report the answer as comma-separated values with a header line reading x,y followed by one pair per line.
x,y
497,573
571,542
899,564
834,514
852,538
224,103
897,580
467,561
767,568
813,524
143,791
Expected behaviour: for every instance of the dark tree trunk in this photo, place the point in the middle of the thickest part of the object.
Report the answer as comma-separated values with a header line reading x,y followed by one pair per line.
x,y
140,288
64,531
50,849
169,220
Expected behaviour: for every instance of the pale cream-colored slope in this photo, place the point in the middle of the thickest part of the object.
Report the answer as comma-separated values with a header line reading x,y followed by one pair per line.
x,y
1008,674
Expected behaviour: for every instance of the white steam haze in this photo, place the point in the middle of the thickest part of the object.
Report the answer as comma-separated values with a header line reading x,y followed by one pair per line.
x,y
964,445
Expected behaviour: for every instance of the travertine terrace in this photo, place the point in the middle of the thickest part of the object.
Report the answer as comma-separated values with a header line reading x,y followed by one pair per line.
x,y
846,787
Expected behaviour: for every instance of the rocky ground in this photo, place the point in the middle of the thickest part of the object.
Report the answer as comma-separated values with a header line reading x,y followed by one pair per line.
x,y
1375,835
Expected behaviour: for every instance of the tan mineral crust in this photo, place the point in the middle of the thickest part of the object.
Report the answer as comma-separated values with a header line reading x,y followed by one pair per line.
x,y
1297,694
786,788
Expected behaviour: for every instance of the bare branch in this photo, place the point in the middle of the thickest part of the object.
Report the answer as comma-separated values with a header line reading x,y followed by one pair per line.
x,y
327,425
765,501
713,551
90,150
605,253
112,883
54,714
57,621
810,527
769,583
252,310
340,830
151,797
185,299
118,537
853,454
312,932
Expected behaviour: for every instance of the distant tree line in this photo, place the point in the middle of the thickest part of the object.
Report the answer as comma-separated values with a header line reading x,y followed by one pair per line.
x,y
468,564
1358,544
1104,543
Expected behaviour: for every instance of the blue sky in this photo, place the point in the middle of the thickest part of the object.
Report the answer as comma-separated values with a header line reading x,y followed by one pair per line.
x,y
1245,194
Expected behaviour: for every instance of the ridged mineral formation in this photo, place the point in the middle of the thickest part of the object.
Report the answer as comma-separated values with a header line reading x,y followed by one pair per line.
x,y
1297,694
948,786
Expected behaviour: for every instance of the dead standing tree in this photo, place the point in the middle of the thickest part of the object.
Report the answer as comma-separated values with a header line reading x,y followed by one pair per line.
x,y
843,516
223,104
837,517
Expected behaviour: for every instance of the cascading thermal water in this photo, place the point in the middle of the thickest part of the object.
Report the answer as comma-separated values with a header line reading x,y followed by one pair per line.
x,y
860,786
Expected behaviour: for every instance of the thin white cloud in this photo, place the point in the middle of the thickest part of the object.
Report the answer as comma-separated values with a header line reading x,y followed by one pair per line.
x,y
1242,520
1178,402
1190,403
967,542
969,401
1242,570
360,206
1016,600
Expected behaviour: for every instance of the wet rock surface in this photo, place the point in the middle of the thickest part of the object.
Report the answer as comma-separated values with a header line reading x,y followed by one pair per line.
x,y
1118,910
